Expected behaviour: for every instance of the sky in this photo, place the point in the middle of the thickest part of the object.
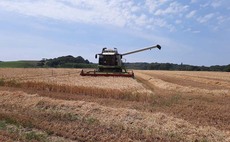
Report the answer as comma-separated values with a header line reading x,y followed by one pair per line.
x,y
195,32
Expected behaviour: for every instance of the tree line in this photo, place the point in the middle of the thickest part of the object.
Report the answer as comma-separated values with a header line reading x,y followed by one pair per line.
x,y
79,62
65,62
170,66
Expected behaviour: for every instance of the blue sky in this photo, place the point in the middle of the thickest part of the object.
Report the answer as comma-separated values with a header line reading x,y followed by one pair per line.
x,y
193,32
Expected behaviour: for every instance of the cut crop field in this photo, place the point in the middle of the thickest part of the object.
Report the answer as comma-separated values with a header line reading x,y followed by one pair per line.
x,y
60,105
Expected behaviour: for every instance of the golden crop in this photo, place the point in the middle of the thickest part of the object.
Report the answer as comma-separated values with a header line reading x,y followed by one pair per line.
x,y
70,81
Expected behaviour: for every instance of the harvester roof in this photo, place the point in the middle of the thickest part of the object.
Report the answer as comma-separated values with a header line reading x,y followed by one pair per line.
x,y
109,51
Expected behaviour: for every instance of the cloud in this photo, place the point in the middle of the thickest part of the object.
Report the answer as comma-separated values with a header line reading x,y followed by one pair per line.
x,y
193,1
221,19
153,5
173,8
142,15
205,5
192,31
195,32
142,20
122,13
205,18
178,21
216,3
97,12
191,14
212,3
163,23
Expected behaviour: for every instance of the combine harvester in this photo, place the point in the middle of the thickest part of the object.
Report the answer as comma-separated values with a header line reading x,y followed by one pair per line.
x,y
110,63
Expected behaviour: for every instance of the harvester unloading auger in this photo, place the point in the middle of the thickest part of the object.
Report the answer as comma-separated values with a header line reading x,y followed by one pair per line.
x,y
110,63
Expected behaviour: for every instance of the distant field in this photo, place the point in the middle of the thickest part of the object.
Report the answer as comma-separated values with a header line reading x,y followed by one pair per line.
x,y
60,105
18,64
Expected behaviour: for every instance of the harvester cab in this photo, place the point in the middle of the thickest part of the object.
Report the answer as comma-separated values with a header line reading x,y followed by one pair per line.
x,y
110,63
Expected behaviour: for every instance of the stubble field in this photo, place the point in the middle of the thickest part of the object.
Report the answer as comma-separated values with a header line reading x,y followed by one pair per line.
x,y
60,105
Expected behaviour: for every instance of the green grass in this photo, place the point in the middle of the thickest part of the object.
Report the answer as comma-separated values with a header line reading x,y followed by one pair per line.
x,y
18,64
2,125
36,136
91,120
2,82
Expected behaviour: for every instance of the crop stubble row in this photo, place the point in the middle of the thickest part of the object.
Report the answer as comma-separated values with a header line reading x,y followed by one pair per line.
x,y
194,82
63,114
70,81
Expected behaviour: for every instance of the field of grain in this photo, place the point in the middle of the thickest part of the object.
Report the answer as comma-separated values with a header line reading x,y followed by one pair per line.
x,y
60,105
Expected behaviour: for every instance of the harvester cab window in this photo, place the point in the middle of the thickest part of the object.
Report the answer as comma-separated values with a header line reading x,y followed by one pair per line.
x,y
108,60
